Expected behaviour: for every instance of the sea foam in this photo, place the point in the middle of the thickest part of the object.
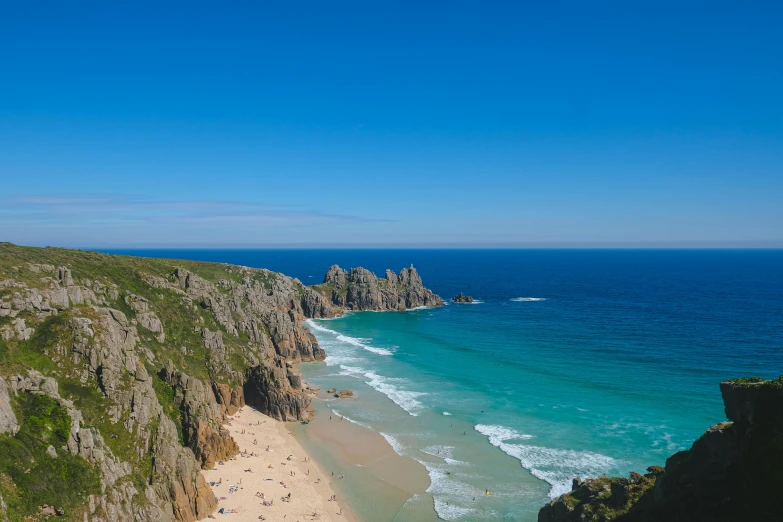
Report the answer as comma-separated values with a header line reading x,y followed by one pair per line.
x,y
527,299
394,443
555,466
444,452
448,492
405,399
350,340
337,413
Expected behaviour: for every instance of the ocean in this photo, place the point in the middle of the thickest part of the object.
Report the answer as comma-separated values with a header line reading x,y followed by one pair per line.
x,y
569,363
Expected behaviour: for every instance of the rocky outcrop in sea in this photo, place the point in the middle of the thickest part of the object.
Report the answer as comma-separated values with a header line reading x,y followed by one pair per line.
x,y
462,298
730,474
360,289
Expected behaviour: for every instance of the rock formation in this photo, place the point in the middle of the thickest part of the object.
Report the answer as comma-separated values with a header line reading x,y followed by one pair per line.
x,y
344,394
731,473
8,421
360,289
462,298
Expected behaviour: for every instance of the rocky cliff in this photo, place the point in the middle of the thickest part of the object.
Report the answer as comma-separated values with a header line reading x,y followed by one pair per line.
x,y
117,374
732,472
360,289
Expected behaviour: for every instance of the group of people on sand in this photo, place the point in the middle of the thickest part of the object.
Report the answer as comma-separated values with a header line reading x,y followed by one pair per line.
x,y
246,454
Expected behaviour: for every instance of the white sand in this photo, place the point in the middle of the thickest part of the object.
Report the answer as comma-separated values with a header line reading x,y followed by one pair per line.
x,y
308,495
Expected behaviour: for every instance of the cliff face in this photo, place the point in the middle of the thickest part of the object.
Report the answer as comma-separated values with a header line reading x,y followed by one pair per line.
x,y
140,361
732,472
360,289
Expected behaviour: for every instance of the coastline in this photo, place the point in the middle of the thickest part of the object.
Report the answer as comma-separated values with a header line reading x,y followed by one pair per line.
x,y
310,488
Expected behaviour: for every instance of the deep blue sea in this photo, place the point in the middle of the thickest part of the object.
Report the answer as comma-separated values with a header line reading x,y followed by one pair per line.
x,y
571,363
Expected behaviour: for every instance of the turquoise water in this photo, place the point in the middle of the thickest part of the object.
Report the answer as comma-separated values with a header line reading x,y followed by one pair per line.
x,y
572,363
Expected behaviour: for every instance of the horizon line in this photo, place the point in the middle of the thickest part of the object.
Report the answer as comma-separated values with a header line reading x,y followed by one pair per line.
x,y
604,245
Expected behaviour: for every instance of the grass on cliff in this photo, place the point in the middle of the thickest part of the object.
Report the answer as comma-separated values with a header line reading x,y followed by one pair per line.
x,y
165,394
742,382
17,356
329,289
29,477
595,500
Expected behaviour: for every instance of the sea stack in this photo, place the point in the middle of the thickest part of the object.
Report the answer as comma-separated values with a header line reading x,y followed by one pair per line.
x,y
462,298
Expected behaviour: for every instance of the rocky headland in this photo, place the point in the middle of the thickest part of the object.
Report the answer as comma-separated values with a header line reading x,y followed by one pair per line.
x,y
117,373
732,473
462,298
360,289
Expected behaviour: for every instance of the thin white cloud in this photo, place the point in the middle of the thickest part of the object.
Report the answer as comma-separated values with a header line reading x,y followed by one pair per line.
x,y
115,209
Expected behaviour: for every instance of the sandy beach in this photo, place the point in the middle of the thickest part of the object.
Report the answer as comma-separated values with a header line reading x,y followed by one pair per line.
x,y
272,464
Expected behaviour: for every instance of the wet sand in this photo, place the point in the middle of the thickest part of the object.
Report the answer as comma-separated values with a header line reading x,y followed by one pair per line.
x,y
374,479
309,496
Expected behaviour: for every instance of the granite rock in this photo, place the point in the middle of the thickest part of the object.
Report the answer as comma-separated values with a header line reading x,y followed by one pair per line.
x,y
360,289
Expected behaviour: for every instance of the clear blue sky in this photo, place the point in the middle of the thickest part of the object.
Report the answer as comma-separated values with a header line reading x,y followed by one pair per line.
x,y
395,123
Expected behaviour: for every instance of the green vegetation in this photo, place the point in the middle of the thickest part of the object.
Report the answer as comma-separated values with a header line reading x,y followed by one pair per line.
x,y
742,382
329,289
165,394
19,355
747,380
29,477
606,498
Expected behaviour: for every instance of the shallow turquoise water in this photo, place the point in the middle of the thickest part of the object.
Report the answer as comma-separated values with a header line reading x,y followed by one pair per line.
x,y
612,366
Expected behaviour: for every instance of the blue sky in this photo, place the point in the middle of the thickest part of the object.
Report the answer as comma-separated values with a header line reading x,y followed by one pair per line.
x,y
394,124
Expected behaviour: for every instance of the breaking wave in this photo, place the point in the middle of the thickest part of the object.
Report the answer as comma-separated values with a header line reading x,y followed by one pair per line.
x,y
555,466
363,425
448,492
527,299
394,443
405,399
350,340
